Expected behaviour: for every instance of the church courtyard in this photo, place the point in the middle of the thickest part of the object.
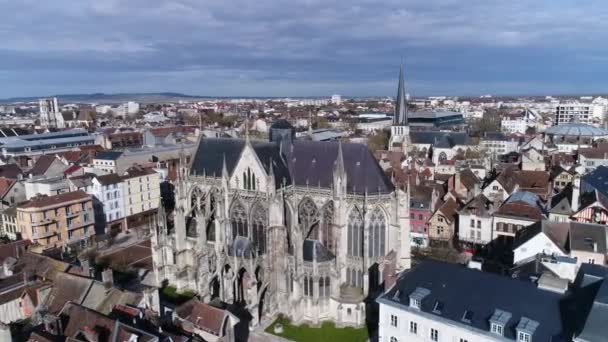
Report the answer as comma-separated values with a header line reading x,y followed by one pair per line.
x,y
326,332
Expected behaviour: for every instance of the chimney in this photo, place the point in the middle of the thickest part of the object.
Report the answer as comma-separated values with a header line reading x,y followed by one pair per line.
x,y
86,267
107,277
576,193
476,189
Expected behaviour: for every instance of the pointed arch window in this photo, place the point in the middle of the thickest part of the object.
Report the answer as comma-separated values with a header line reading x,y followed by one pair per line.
x,y
308,216
238,220
377,233
249,182
259,223
355,234
327,220
210,224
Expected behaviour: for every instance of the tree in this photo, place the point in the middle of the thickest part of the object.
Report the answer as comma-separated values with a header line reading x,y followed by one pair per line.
x,y
378,141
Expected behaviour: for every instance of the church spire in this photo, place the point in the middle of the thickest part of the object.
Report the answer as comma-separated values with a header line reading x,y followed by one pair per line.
x,y
224,167
340,160
400,117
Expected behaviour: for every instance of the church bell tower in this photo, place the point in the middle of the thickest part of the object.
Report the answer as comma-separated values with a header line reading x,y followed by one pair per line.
x,y
400,130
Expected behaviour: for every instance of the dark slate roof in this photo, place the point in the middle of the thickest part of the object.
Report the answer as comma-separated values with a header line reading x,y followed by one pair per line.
x,y
597,179
312,163
108,155
314,250
558,232
109,179
560,203
494,136
309,163
440,139
210,154
460,289
591,303
281,123
587,236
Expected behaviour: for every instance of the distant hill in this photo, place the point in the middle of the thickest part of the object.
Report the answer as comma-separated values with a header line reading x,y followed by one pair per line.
x,y
110,98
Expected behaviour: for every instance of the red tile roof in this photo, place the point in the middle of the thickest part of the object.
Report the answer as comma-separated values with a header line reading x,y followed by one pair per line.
x,y
203,316
48,201
5,185
42,164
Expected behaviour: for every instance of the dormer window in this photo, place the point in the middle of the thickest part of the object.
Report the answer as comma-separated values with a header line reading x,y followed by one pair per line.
x,y
438,308
417,296
523,337
497,329
498,321
525,329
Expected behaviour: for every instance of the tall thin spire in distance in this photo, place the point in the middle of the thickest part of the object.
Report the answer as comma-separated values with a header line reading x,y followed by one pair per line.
x,y
400,117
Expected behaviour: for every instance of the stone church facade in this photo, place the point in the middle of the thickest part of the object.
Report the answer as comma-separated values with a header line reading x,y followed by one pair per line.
x,y
306,229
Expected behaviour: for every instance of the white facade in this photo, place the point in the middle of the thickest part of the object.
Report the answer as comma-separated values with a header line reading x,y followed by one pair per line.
x,y
577,112
474,229
105,165
515,125
50,114
111,196
539,244
128,108
413,325
498,147
336,100
49,187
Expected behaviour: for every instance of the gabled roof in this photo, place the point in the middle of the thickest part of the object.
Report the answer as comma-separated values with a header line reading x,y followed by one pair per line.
x,y
469,179
481,203
522,204
308,163
561,203
5,185
204,316
557,232
11,171
109,179
42,164
588,237
449,209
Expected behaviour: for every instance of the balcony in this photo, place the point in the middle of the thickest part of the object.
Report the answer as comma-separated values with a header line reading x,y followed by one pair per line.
x,y
43,234
43,222
79,220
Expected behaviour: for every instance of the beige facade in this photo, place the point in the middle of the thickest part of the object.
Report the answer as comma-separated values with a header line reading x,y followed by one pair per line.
x,y
53,221
440,228
142,190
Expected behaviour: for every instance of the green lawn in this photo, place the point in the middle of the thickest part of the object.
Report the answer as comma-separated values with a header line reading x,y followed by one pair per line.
x,y
327,332
170,294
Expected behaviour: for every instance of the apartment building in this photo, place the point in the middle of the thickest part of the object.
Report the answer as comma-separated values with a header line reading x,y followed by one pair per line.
x,y
109,191
443,302
577,112
142,190
60,220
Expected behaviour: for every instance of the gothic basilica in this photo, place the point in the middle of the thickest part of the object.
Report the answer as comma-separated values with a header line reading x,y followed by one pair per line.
x,y
307,229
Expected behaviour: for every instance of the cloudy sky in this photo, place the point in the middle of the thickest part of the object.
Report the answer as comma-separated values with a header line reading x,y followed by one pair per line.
x,y
303,47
